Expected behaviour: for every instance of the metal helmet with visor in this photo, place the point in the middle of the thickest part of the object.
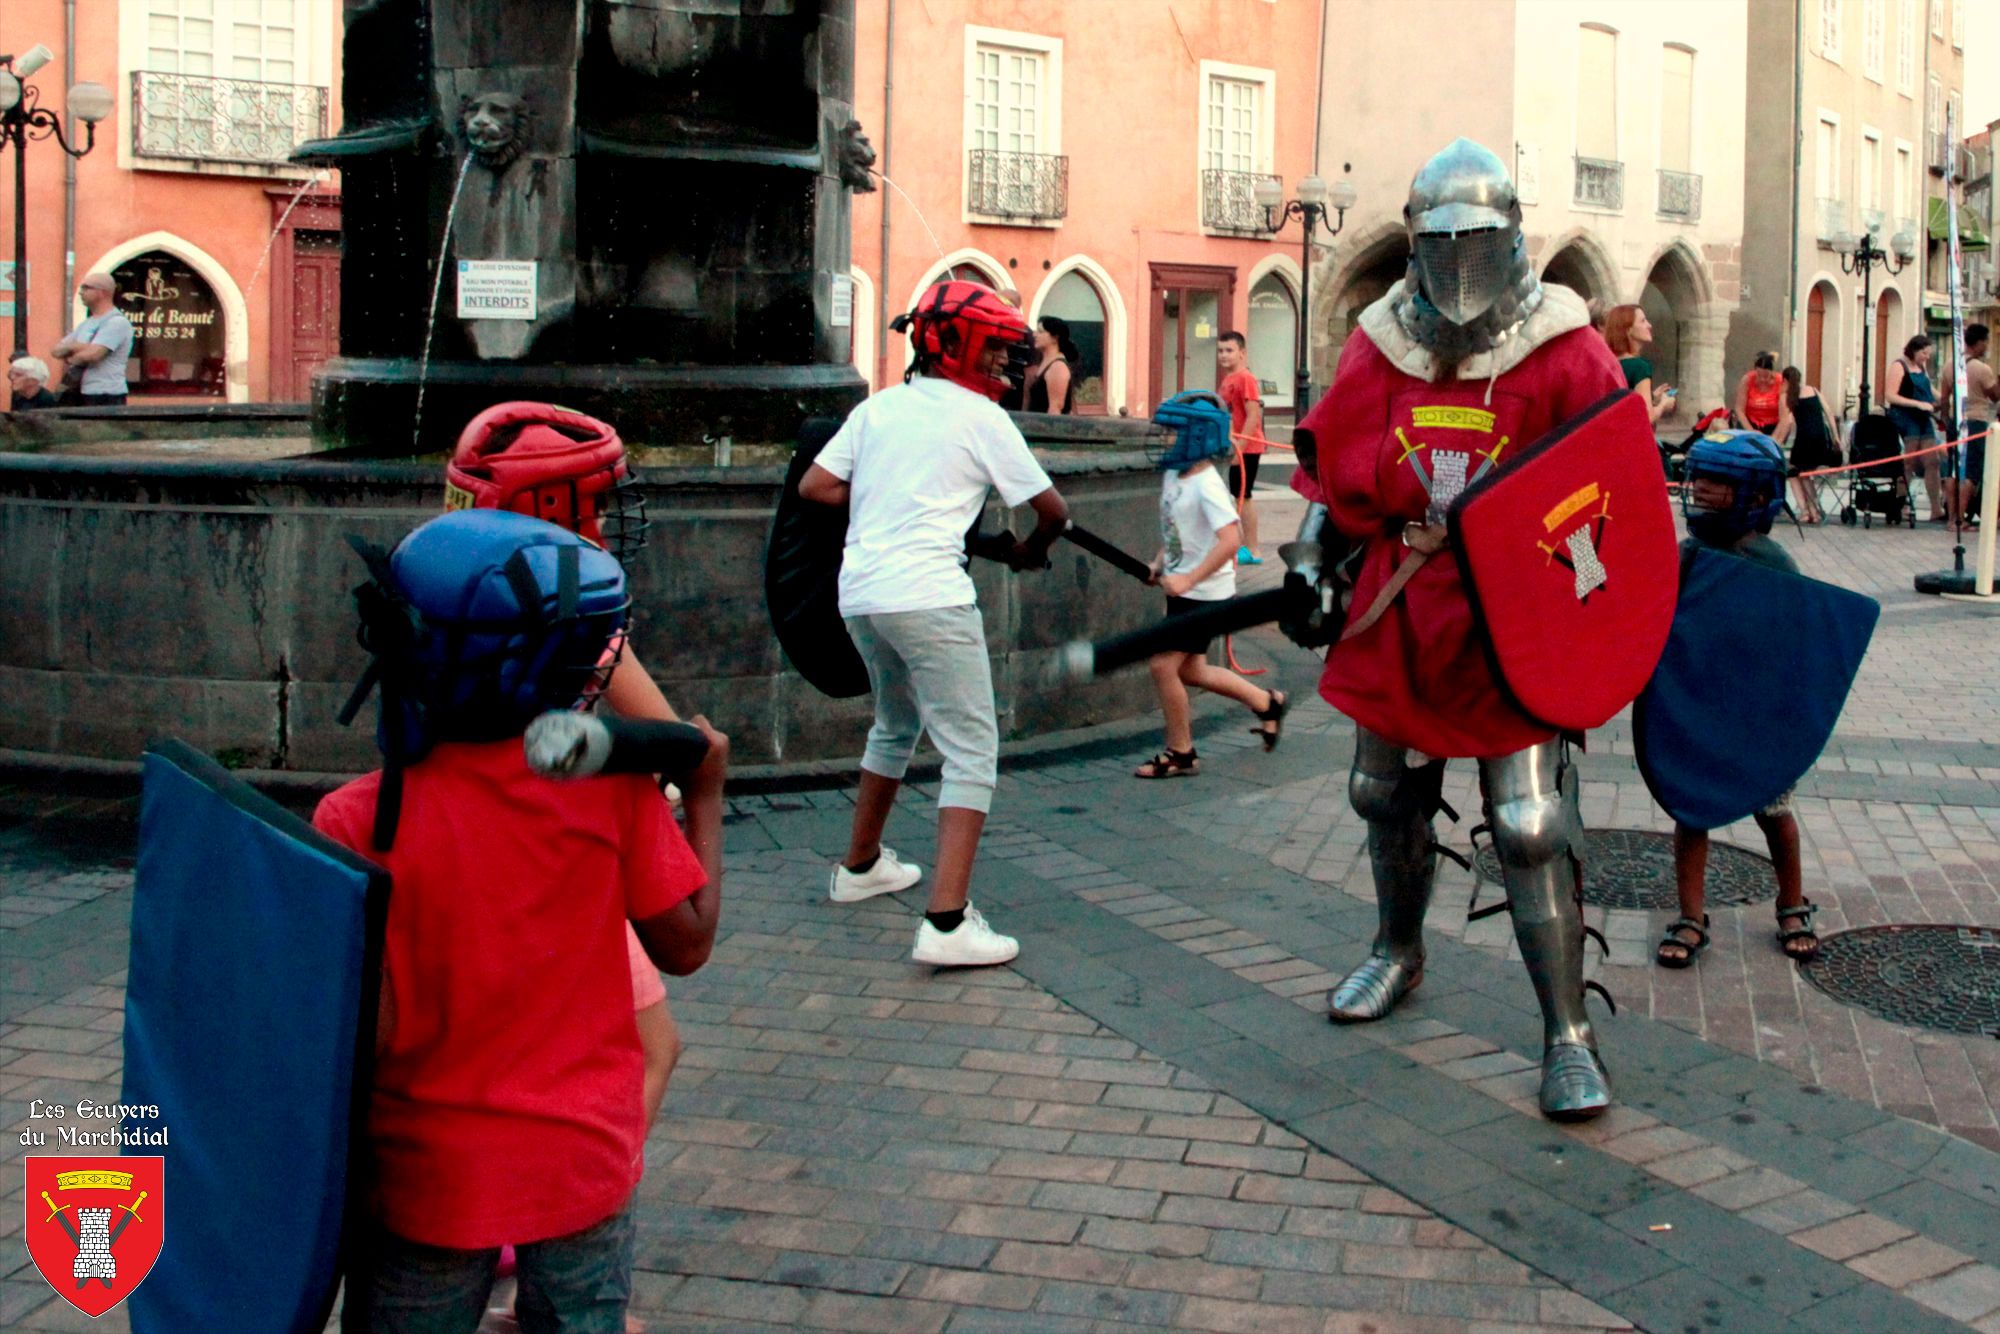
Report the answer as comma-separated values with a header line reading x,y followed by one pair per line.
x,y
1468,260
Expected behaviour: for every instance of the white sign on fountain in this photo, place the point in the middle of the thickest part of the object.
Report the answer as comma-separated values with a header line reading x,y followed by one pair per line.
x,y
496,289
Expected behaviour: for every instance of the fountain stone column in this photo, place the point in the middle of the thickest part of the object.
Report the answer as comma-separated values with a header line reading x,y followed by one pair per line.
x,y
647,201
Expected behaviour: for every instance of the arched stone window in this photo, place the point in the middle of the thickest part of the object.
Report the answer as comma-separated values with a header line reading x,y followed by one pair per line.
x,y
1074,299
178,327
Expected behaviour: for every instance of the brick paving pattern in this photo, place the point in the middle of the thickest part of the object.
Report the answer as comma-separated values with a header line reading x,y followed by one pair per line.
x,y
1146,1122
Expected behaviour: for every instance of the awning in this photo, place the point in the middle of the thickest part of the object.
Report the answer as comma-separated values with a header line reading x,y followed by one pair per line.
x,y
1971,236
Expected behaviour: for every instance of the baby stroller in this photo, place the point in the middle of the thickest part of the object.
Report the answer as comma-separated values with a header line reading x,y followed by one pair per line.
x,y
1881,488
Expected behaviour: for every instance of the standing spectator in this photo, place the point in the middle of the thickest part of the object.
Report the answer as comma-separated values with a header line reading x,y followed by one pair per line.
x,y
1628,331
1910,399
1813,439
1760,397
1982,391
28,377
1241,395
1051,380
95,353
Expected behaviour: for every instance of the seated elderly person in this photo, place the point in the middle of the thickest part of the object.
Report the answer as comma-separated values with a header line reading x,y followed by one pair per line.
x,y
28,377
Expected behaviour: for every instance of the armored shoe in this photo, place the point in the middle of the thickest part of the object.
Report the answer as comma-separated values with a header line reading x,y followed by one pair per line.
x,y
1575,1086
1372,990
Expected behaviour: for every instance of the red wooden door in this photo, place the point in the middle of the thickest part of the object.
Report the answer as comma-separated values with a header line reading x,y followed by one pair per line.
x,y
1815,336
315,308
1882,343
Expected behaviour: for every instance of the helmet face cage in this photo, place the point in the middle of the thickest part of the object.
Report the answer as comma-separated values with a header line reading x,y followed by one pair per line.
x,y
951,328
1465,272
1198,428
1749,462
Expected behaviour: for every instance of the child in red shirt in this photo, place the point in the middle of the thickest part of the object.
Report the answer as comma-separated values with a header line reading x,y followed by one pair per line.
x,y
507,1100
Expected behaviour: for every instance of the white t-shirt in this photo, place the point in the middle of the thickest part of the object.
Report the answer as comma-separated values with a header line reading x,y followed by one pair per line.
x,y
1192,510
919,458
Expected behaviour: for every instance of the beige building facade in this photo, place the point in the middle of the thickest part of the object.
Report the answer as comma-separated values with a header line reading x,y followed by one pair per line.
x,y
1630,167
1859,126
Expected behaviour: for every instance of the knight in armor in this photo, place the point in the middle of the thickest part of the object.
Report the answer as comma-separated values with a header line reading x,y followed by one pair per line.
x,y
1450,375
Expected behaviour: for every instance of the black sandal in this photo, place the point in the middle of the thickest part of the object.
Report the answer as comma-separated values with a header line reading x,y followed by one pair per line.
x,y
1689,950
1272,713
1804,910
1170,764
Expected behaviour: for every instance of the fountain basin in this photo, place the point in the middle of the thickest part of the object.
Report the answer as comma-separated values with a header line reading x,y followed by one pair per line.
x,y
211,600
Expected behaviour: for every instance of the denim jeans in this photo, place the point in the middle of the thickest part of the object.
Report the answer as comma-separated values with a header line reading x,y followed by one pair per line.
x,y
930,674
579,1284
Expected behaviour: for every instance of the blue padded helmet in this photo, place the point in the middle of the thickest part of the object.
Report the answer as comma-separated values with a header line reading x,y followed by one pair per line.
x,y
477,623
1751,462
1201,430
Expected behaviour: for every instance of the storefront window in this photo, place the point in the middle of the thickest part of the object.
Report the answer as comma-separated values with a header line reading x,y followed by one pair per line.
x,y
177,343
1073,300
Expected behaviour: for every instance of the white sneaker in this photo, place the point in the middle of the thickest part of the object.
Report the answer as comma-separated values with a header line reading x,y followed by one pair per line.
x,y
972,945
889,874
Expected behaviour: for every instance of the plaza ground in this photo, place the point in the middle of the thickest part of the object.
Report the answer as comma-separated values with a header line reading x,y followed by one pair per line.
x,y
1147,1122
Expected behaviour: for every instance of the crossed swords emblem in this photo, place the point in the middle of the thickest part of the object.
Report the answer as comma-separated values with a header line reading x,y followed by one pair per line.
x,y
1440,502
56,1212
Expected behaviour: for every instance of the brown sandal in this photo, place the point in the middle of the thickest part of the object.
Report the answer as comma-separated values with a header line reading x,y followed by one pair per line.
x,y
1170,764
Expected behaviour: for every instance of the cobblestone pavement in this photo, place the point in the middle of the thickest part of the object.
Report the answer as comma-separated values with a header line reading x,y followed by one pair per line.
x,y
1146,1121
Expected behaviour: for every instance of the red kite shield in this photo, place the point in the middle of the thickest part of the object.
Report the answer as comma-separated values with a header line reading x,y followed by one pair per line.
x,y
1569,558
94,1225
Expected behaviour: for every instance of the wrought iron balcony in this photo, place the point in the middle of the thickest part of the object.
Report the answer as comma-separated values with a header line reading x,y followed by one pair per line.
x,y
1029,186
1229,201
1600,184
194,117
1680,195
1830,219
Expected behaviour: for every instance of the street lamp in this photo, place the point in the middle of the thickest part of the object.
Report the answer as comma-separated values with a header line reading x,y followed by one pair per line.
x,y
1315,199
22,119
1860,254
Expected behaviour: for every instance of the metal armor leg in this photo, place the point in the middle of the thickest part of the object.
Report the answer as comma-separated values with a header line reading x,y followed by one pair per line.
x,y
1397,802
1532,804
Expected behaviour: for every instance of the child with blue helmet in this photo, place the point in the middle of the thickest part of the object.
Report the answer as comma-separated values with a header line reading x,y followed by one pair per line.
x,y
1735,490
506,1104
1199,532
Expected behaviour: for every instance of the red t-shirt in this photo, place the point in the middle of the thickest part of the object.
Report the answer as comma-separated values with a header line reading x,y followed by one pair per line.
x,y
1238,391
509,1081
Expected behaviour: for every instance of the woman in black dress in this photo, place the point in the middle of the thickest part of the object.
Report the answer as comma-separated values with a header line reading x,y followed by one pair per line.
x,y
1052,379
1813,440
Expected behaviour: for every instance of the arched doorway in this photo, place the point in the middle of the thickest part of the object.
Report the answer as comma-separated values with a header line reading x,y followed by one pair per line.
x,y
1576,266
1889,337
1074,299
178,328
232,315
1361,284
1272,327
1816,335
1671,299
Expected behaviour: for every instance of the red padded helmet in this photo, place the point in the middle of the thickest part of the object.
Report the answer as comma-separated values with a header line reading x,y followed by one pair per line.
x,y
952,326
550,463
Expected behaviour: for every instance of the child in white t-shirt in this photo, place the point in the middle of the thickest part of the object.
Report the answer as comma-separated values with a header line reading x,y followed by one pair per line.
x,y
1196,567
913,465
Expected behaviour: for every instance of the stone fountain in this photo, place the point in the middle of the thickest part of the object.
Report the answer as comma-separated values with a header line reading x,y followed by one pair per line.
x,y
647,208
638,208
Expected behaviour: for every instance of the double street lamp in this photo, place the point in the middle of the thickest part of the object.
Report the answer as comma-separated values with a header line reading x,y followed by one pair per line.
x,y
1314,201
22,119
1860,254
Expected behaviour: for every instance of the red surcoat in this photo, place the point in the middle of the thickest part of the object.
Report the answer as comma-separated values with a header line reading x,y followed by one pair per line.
x,y
1420,675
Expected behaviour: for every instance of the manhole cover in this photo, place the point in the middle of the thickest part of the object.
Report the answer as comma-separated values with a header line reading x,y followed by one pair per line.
x,y
1634,868
1941,977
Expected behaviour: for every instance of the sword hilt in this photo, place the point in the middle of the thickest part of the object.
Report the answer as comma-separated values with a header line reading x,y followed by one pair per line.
x,y
133,1208
54,1208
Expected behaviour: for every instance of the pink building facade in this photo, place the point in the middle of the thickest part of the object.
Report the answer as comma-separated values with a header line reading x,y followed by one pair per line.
x,y
1100,160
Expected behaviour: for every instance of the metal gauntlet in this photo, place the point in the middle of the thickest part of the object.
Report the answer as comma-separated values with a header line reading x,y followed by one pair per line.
x,y
1316,609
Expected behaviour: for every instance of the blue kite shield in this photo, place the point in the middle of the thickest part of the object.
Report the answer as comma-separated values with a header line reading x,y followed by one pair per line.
x,y
249,1024
1756,670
